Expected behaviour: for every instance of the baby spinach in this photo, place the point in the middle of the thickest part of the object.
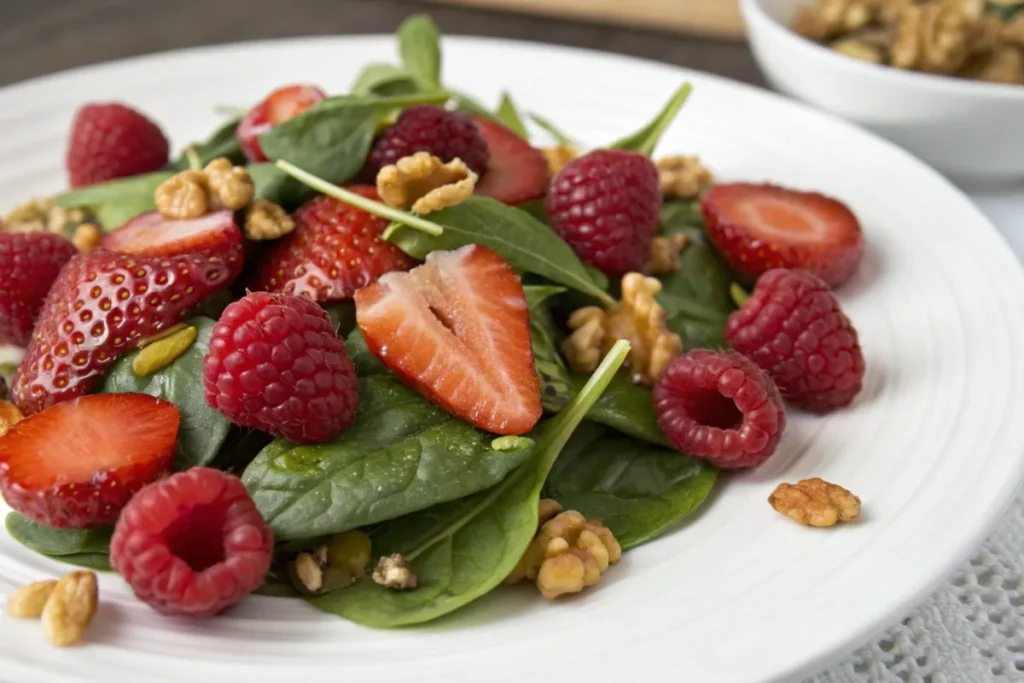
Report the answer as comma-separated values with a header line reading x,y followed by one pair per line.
x,y
628,408
203,429
464,549
553,130
116,201
274,185
366,363
646,139
84,547
223,143
508,115
384,79
677,215
637,489
555,383
402,454
468,105
419,44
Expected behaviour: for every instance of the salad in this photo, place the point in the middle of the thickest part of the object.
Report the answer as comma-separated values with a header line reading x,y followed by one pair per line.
x,y
385,352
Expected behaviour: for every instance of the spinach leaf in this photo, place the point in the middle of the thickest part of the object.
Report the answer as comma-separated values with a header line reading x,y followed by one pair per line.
x,y
274,185
468,105
509,116
536,209
223,143
366,363
419,44
88,548
526,243
537,295
678,215
384,79
555,383
646,139
116,201
626,408
464,549
638,490
203,429
553,130
402,454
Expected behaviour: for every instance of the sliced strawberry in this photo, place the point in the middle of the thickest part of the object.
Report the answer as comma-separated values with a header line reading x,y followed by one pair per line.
x,y
29,263
101,305
457,330
75,465
516,172
215,234
761,227
279,106
334,250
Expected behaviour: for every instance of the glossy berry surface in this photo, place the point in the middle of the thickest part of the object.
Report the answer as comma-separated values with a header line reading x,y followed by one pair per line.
x,y
425,128
110,140
29,263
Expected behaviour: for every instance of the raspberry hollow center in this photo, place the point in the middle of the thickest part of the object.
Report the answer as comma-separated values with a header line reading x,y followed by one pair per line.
x,y
710,408
197,536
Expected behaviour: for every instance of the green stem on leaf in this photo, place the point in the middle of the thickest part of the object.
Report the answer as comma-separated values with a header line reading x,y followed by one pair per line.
x,y
229,111
403,101
194,162
370,206
738,294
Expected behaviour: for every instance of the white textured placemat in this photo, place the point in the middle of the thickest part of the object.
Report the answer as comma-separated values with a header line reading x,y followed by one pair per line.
x,y
972,629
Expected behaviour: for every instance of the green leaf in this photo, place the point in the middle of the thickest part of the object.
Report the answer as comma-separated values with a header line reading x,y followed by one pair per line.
x,y
343,316
203,429
678,215
555,383
469,105
274,185
384,79
526,243
87,548
116,201
553,130
402,454
646,139
464,549
628,408
366,363
419,44
223,143
537,295
509,116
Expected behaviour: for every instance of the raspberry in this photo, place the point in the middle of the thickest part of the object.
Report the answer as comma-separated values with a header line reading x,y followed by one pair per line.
x,y
276,364
113,141
424,128
793,327
606,205
192,544
719,406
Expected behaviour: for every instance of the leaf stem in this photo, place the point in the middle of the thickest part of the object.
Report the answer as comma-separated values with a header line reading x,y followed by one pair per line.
x,y
402,101
360,202
194,162
738,294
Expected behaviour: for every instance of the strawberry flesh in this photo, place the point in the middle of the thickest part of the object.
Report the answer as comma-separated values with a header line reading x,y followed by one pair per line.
x,y
457,330
77,464
516,172
215,234
761,227
279,106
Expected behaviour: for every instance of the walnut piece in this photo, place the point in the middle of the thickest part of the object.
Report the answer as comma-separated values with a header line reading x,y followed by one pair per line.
x,y
1004,64
558,156
858,49
425,183
335,565
70,608
815,502
9,416
935,37
43,214
394,572
28,601
831,18
665,254
638,318
87,237
265,220
194,193
230,186
682,177
1013,31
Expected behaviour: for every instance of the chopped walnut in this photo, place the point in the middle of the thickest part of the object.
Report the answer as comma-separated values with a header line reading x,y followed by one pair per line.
x,y
230,186
935,37
682,177
87,237
858,49
1013,31
333,566
665,254
831,18
43,214
10,415
815,502
546,510
568,554
558,156
638,318
394,572
1004,64
425,183
265,220
195,193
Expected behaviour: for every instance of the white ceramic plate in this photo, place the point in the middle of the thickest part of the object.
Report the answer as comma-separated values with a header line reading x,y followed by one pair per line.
x,y
932,446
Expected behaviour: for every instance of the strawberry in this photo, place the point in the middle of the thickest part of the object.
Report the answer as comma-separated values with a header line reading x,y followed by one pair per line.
x,y
113,141
215,234
457,330
77,464
276,108
29,263
760,227
102,304
334,250
516,172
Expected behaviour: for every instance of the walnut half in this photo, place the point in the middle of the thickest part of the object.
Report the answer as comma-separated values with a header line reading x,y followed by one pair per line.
x,y
815,502
425,183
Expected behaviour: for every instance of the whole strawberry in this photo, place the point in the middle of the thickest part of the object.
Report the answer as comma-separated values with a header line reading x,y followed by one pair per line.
x,y
276,364
104,303
793,327
606,205
29,263
113,141
334,250
425,128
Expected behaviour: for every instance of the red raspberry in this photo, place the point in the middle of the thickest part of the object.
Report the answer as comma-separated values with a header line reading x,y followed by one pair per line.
x,y
276,364
425,128
793,327
192,544
718,405
29,263
113,141
606,205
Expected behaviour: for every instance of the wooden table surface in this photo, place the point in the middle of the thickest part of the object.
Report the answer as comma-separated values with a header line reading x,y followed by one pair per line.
x,y
38,37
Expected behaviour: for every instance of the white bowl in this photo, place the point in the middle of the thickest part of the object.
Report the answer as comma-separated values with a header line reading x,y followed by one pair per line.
x,y
969,130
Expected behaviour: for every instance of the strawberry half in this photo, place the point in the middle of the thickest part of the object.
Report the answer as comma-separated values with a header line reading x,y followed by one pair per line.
x,y
334,250
516,172
102,304
29,263
77,464
760,227
279,106
457,330
150,234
